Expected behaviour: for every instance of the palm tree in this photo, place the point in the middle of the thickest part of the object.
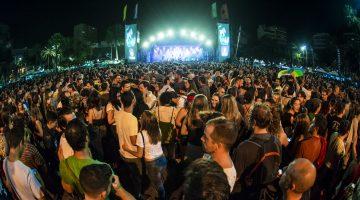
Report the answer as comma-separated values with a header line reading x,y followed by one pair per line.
x,y
115,37
57,54
47,54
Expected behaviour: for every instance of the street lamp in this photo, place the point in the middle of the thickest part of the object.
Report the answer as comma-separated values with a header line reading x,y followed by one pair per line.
x,y
304,49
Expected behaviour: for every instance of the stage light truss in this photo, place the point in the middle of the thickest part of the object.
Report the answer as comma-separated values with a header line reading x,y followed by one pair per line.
x,y
183,33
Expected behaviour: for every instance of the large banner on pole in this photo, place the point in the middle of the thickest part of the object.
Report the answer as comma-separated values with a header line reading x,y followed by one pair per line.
x,y
223,41
131,42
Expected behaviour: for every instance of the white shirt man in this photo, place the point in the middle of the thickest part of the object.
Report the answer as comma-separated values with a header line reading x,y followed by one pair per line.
x,y
219,136
127,130
126,126
149,97
166,88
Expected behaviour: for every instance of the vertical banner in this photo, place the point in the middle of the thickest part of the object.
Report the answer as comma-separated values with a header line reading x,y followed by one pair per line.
x,y
224,12
214,10
131,42
136,11
223,41
124,13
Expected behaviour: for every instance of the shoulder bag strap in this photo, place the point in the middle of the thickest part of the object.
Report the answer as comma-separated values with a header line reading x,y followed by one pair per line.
x,y
264,156
9,180
262,160
172,114
72,174
141,133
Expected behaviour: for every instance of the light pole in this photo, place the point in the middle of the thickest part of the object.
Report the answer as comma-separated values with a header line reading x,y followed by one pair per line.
x,y
313,56
304,49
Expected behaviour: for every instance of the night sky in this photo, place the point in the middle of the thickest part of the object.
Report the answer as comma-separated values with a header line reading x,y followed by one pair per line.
x,y
36,20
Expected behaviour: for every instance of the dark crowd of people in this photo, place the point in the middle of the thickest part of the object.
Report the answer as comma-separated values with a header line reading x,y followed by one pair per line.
x,y
212,131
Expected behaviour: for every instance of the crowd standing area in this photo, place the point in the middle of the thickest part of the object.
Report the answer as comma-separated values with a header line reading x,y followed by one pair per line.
x,y
211,131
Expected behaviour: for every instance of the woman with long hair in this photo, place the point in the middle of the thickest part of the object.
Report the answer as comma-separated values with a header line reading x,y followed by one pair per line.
x,y
180,120
276,128
352,140
149,146
229,109
290,112
111,141
300,132
190,86
166,115
140,105
249,98
97,120
193,127
215,102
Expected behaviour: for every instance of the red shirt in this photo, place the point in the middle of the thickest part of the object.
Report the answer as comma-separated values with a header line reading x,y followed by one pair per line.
x,y
309,148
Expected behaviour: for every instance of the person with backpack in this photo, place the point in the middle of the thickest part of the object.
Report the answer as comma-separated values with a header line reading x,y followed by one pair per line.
x,y
257,159
166,115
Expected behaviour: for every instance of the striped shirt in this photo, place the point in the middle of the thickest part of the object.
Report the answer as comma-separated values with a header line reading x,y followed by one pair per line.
x,y
31,157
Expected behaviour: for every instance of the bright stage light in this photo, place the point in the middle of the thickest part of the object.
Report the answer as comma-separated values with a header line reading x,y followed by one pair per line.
x,y
193,34
152,38
201,37
170,33
146,44
208,43
183,32
161,35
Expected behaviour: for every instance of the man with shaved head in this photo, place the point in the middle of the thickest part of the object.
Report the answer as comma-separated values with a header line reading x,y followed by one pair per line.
x,y
298,178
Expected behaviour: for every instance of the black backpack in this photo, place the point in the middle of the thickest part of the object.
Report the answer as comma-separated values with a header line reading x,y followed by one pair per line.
x,y
262,178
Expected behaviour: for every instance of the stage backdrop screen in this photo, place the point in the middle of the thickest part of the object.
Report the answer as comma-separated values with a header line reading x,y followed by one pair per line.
x,y
131,42
166,53
223,41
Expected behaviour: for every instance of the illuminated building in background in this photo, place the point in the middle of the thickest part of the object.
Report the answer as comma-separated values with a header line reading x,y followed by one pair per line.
x,y
321,41
275,33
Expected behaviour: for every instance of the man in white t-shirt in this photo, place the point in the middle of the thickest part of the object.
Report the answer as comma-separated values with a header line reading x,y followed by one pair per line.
x,y
219,136
127,130
149,97
167,86
20,178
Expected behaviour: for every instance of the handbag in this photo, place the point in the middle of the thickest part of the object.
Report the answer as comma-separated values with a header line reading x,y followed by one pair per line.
x,y
143,163
168,132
